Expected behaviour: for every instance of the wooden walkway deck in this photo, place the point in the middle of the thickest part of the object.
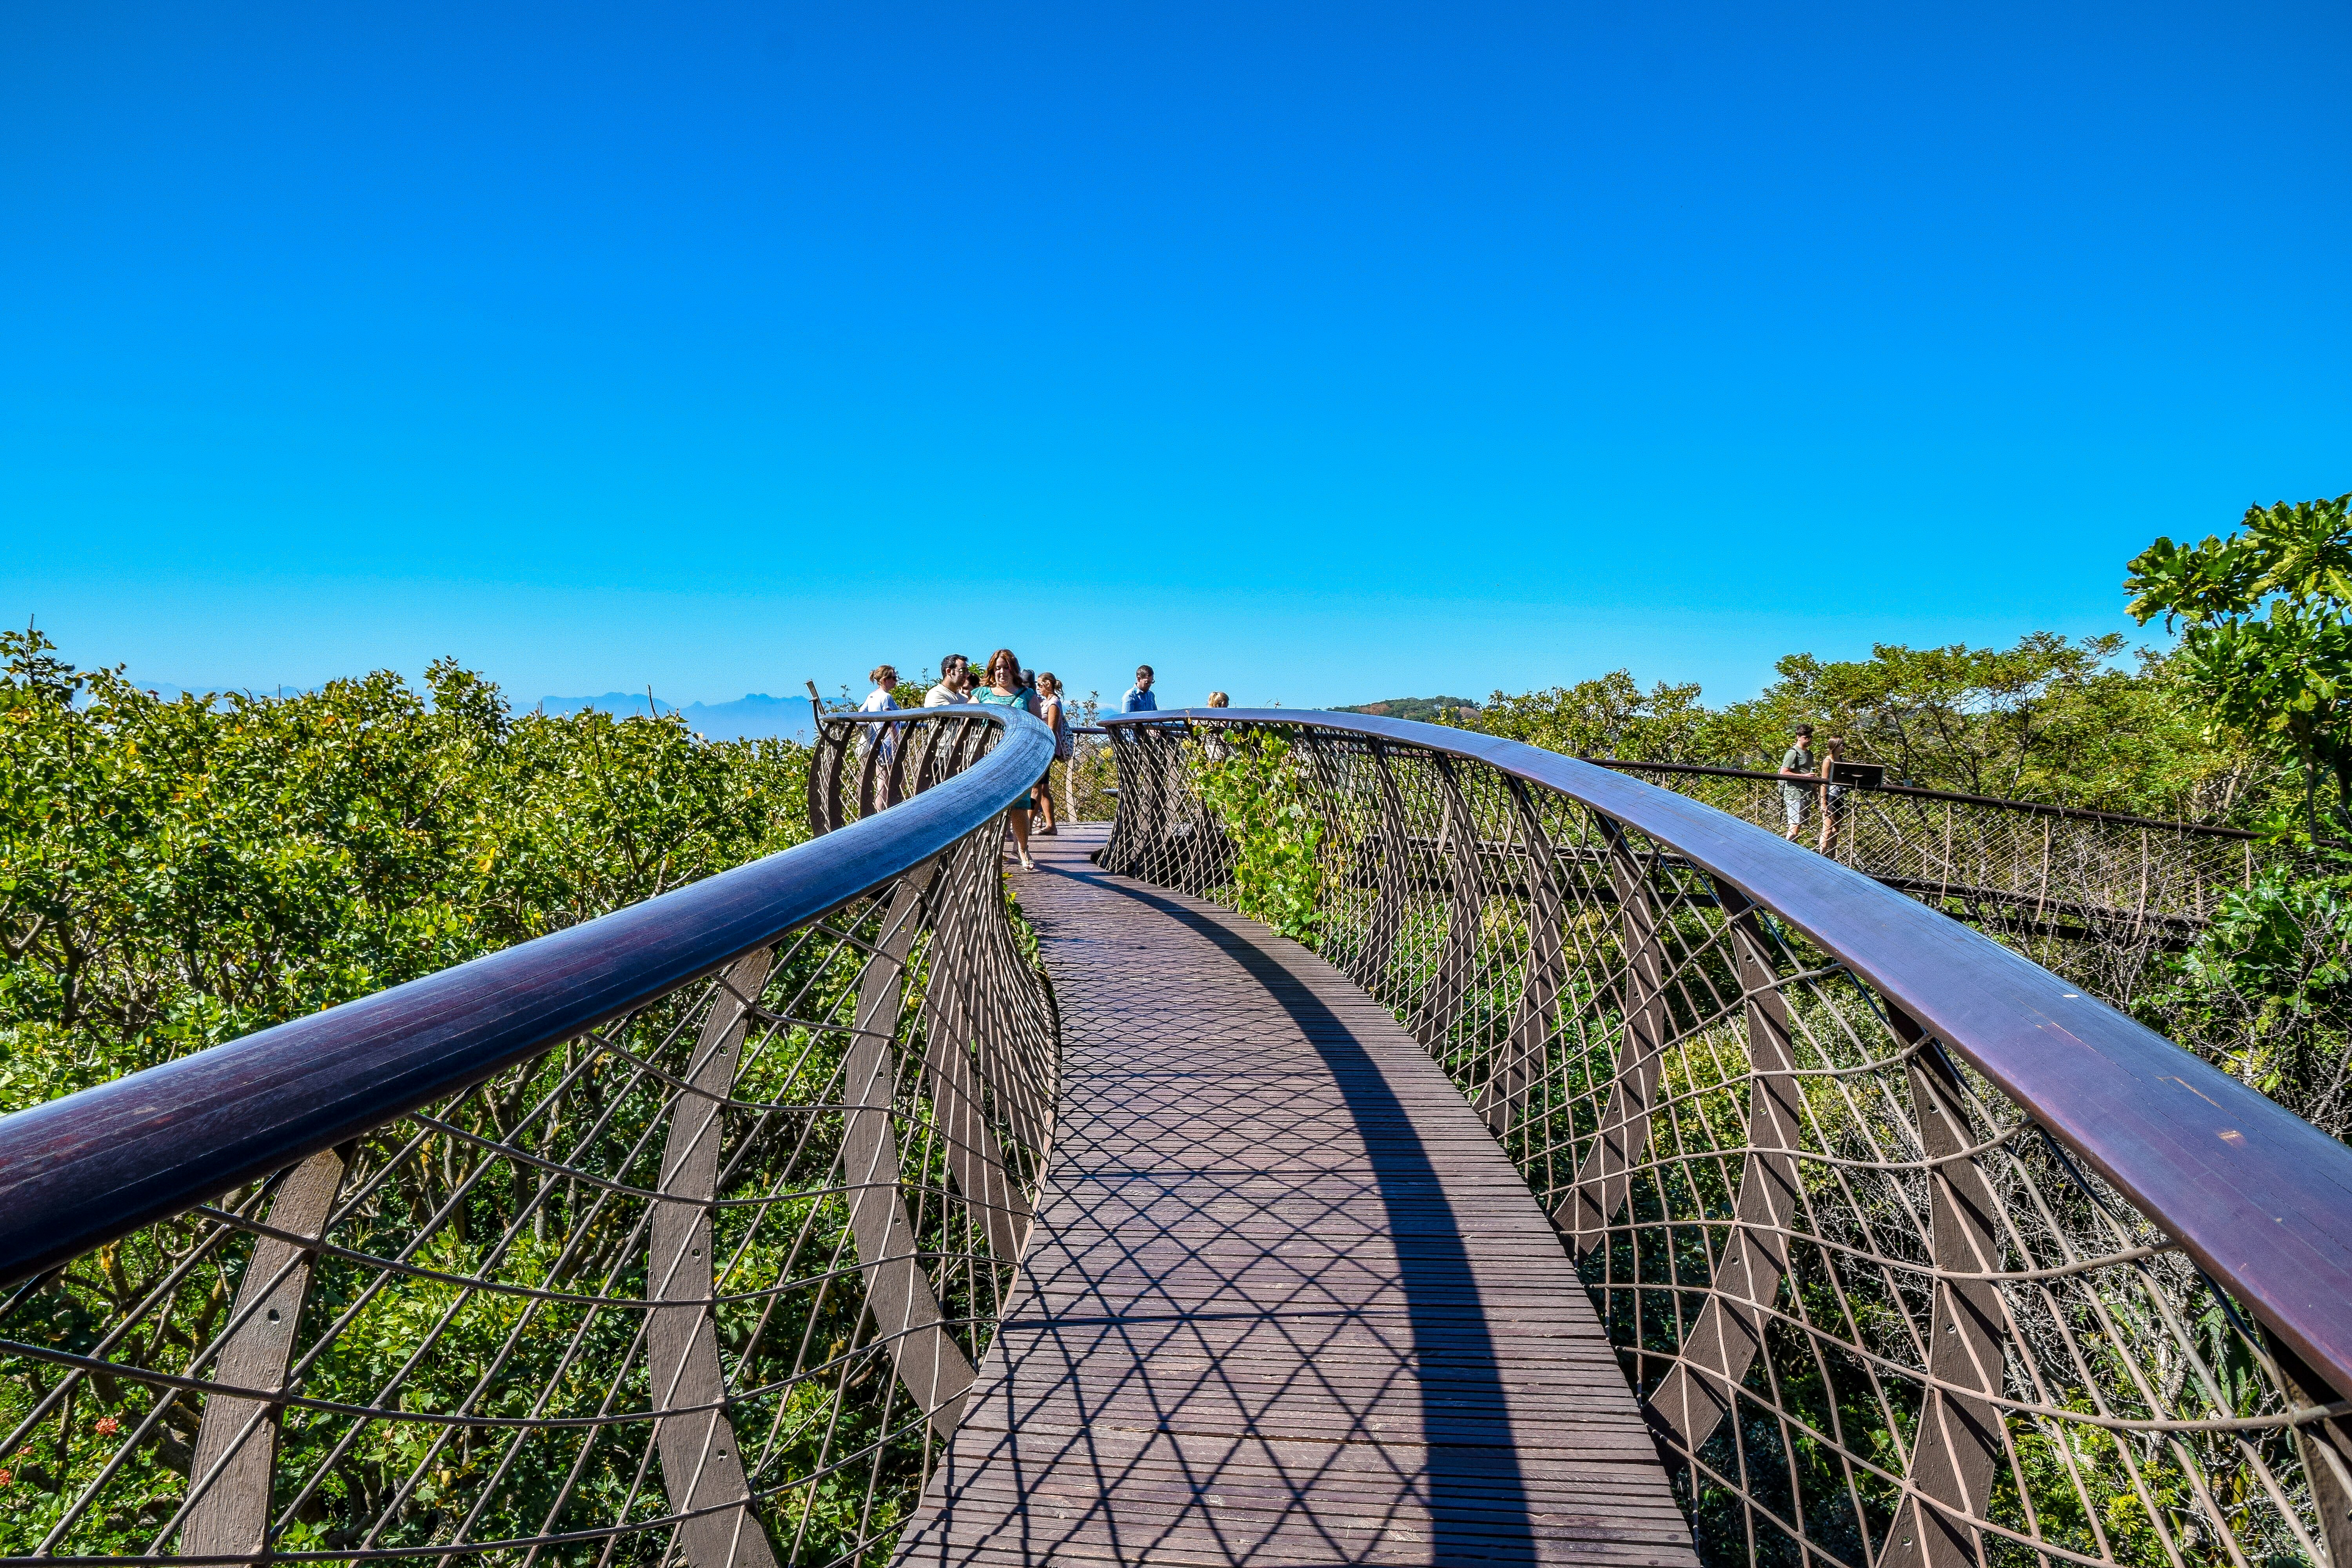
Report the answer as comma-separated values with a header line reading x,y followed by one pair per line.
x,y
1288,1302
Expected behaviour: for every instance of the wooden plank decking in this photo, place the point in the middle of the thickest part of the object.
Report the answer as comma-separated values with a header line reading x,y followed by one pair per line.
x,y
1287,1303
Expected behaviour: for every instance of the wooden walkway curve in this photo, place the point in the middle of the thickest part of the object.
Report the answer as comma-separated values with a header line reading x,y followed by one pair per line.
x,y
1288,1302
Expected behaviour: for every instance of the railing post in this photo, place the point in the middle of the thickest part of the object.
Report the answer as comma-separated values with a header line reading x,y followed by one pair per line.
x,y
1391,879
236,1444
956,1017
702,1464
2325,1447
1606,1176
907,1318
1728,1336
1141,826
1958,1443
1504,1100
1435,1012
826,757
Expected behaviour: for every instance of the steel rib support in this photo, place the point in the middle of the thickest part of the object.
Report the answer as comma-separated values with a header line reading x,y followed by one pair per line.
x,y
1443,997
931,1365
952,1022
1503,1100
1729,1335
702,1464
1605,1176
1958,1443
237,1446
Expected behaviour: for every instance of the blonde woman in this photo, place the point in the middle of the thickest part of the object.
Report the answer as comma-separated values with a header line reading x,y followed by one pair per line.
x,y
1005,690
1832,795
881,700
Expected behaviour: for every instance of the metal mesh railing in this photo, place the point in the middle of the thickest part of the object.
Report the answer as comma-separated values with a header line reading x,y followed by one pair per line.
x,y
1086,784
863,762
701,1277
1912,1255
2092,895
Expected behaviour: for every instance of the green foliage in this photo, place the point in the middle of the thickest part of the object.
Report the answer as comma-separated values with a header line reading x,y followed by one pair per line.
x,y
1610,716
2049,720
2266,637
174,874
1428,710
1249,780
2266,991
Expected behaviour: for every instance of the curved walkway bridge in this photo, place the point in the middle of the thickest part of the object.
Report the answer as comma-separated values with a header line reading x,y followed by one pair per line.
x,y
1597,1177
1288,1302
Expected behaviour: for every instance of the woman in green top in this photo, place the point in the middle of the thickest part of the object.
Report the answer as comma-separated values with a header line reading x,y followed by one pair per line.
x,y
1005,690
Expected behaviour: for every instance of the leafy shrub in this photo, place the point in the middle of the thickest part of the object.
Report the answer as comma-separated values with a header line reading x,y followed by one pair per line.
x,y
1249,780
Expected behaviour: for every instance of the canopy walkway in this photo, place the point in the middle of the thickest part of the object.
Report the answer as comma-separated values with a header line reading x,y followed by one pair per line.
x,y
1603,1179
1288,1303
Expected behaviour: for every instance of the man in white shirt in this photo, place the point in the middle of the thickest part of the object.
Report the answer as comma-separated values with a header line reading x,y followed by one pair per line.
x,y
950,691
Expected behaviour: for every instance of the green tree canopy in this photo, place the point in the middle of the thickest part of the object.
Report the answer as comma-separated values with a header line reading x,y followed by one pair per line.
x,y
177,873
2266,636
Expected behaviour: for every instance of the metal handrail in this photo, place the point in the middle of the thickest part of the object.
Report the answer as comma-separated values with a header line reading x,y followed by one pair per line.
x,y
446,1270
2261,1198
81,1171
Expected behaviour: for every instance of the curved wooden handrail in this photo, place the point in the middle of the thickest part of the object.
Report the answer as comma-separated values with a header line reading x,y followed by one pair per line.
x,y
2259,1197
82,1171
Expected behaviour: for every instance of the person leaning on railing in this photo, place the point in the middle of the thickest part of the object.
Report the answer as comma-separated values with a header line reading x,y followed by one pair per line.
x,y
1797,763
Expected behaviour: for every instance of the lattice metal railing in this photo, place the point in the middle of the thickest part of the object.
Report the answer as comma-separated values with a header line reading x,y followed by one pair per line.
x,y
674,1237
862,763
1913,1254
1086,784
2094,895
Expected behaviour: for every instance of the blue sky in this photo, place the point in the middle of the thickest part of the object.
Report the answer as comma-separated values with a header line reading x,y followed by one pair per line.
x,y
1320,354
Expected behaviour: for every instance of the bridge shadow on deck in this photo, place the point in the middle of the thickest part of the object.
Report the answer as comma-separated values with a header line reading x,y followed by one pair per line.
x,y
1288,1302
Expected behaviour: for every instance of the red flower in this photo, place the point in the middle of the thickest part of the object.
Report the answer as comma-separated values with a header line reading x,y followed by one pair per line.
x,y
108,1427
6,1477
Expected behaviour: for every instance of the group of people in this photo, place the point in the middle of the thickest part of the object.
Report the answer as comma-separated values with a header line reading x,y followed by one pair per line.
x,y
1002,683
1820,773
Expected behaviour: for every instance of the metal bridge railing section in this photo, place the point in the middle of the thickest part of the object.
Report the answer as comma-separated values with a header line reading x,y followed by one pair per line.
x,y
856,774
2094,895
672,1238
1914,1254
1087,783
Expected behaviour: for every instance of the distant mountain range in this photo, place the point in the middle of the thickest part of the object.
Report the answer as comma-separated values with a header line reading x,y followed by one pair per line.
x,y
1425,708
752,715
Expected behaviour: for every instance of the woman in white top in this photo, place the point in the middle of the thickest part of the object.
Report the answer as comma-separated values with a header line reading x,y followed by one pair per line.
x,y
881,700
1833,801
